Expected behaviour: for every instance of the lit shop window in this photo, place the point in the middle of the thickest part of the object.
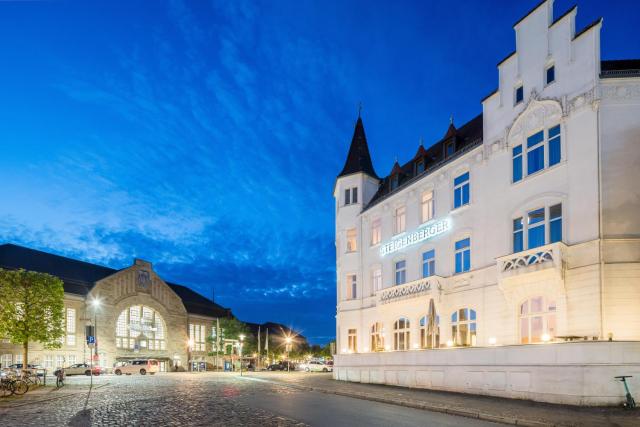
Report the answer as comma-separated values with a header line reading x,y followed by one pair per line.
x,y
377,337
352,286
352,340
542,226
463,255
71,326
543,150
401,272
352,241
140,327
351,196
464,327
401,334
429,338
427,206
461,192
197,337
429,263
376,278
376,231
401,220
537,320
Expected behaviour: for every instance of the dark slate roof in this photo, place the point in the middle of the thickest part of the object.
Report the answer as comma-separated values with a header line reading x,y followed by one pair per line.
x,y
79,276
358,159
464,139
620,68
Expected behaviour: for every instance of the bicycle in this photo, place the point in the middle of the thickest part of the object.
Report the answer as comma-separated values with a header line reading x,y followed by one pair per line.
x,y
13,385
630,402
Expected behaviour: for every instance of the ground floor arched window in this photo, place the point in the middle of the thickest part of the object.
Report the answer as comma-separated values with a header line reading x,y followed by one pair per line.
x,y
377,337
429,339
464,327
401,334
140,328
537,320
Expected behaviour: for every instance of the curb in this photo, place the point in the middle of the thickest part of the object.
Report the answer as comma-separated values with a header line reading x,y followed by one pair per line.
x,y
418,405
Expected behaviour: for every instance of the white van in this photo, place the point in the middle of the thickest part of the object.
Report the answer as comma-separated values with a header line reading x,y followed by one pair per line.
x,y
140,366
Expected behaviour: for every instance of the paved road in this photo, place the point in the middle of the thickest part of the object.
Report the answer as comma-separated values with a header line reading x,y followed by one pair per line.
x,y
206,399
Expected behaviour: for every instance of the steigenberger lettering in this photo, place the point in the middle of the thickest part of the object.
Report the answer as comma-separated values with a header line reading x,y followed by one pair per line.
x,y
420,235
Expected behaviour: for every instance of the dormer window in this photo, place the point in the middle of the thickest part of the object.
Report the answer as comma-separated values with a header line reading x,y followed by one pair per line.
x,y
550,75
518,95
419,167
450,149
394,182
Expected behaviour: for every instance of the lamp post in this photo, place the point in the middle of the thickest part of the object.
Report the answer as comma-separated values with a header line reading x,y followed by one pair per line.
x,y
288,349
189,350
240,347
95,303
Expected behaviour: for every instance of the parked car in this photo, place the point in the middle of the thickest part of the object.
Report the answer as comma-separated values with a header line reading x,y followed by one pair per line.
x,y
316,366
81,369
281,366
140,366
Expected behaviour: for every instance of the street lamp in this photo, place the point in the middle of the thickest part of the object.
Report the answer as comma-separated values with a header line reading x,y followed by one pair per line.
x,y
287,340
95,303
240,347
189,350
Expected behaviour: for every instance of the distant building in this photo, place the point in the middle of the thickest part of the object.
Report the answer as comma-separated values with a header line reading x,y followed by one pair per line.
x,y
520,227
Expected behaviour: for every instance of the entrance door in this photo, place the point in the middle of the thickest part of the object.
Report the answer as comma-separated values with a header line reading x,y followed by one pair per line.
x,y
163,366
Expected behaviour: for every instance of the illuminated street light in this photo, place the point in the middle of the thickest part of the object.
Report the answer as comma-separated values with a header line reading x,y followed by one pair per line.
x,y
241,336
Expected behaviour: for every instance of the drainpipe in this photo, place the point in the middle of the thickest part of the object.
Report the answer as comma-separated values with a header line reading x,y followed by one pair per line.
x,y
600,216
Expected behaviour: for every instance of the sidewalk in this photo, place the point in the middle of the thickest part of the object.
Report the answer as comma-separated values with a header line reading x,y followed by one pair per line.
x,y
44,394
508,411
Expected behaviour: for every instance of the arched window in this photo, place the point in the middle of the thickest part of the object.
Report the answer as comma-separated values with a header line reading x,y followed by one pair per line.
x,y
140,328
377,337
464,327
537,320
428,339
401,334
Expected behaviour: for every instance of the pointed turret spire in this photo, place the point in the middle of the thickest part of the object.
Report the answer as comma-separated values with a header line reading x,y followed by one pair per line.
x,y
358,159
452,129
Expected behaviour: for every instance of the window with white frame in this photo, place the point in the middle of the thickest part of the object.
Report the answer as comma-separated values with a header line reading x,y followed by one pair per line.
x,y
6,360
401,334
48,361
543,150
197,337
461,190
18,358
352,286
60,361
140,327
401,220
427,339
463,255
427,206
377,337
71,326
429,263
539,227
351,196
537,320
464,327
376,278
352,339
352,240
71,360
376,231
401,272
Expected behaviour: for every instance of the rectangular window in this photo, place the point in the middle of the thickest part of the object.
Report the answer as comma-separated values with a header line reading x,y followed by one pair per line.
x,y
463,255
429,263
427,206
352,241
517,163
401,272
461,190
347,196
401,220
352,339
518,235
197,337
71,360
376,279
450,149
419,167
354,195
376,231
554,145
536,233
48,361
519,95
394,182
351,196
551,74
6,360
352,286
18,358
59,361
535,153
71,326
555,223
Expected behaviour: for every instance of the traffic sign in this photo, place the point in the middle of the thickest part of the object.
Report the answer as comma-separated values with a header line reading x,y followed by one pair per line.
x,y
91,341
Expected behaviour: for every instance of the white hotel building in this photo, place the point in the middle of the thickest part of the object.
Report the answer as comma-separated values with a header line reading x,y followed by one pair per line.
x,y
505,258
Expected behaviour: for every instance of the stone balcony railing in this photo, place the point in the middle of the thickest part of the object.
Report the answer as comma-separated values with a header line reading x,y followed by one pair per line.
x,y
410,290
548,257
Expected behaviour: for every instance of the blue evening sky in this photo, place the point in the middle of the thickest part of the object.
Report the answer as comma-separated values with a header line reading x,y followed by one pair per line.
x,y
206,136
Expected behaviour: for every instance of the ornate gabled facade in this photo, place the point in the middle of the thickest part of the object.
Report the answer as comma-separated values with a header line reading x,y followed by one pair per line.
x,y
504,259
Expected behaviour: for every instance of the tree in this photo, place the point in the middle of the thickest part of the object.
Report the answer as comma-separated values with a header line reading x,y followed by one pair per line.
x,y
31,309
231,329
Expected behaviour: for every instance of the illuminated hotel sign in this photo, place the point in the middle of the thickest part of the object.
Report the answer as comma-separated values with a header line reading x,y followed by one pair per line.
x,y
420,235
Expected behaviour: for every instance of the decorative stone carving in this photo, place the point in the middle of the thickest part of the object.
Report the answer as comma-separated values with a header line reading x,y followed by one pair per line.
x,y
528,259
538,114
409,290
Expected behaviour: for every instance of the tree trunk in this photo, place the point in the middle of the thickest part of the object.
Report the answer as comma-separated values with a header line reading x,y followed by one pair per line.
x,y
25,354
